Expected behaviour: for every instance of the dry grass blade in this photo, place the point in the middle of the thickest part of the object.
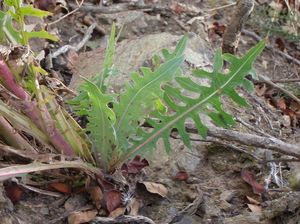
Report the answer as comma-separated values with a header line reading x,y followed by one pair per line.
x,y
12,171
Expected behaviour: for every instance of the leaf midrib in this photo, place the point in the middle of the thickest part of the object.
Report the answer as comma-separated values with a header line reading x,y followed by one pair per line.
x,y
138,92
180,116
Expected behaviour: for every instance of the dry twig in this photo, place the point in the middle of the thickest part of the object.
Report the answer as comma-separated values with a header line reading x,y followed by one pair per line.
x,y
68,14
123,219
285,80
258,38
270,143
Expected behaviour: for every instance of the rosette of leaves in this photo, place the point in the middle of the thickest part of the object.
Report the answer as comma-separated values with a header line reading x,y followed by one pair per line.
x,y
115,121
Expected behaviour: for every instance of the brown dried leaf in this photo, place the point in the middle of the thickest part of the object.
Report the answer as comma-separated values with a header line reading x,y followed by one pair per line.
x,y
254,208
112,200
260,89
156,188
280,104
253,201
218,29
46,5
117,212
181,176
134,207
96,195
81,217
61,187
14,192
248,177
134,166
280,44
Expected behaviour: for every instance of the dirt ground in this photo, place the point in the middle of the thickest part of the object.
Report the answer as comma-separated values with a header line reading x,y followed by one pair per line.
x,y
214,191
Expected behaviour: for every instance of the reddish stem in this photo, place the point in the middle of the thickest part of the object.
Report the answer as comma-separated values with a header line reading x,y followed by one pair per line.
x,y
8,80
33,112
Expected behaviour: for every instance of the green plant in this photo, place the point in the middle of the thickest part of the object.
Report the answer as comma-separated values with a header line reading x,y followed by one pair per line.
x,y
115,120
25,105
16,13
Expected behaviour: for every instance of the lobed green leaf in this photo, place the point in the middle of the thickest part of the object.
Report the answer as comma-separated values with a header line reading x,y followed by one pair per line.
x,y
207,102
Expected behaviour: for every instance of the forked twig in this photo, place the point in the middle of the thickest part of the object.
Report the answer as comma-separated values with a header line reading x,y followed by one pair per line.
x,y
68,14
258,38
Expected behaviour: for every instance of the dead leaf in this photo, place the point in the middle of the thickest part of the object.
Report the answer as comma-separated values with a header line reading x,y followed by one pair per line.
x,y
260,89
181,176
82,217
254,208
117,212
112,200
280,104
280,44
14,192
253,201
156,188
218,29
248,177
46,5
61,187
96,195
134,206
134,166
107,185
293,116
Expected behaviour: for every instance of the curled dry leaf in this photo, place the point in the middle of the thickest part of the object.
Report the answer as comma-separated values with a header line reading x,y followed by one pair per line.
x,y
134,166
96,195
112,200
46,5
134,206
181,176
61,187
248,177
261,89
254,208
117,212
280,44
280,104
14,192
82,217
107,186
218,29
156,188
253,201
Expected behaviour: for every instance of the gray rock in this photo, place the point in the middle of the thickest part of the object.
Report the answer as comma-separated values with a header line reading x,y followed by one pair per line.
x,y
132,54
